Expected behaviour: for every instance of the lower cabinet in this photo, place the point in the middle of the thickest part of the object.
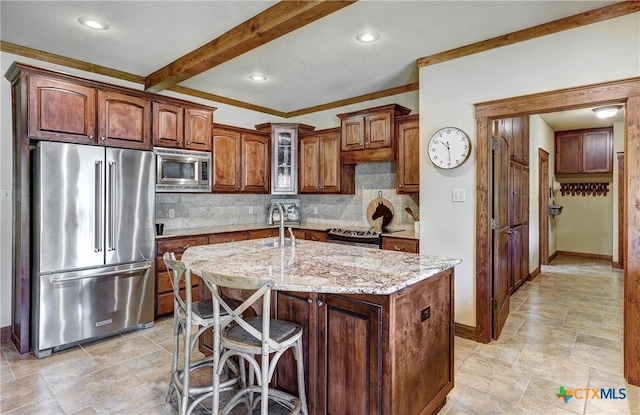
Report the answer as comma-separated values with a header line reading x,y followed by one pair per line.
x,y
318,236
164,291
401,244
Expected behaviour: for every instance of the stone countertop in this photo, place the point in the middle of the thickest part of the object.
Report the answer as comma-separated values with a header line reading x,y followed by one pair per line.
x,y
318,267
207,230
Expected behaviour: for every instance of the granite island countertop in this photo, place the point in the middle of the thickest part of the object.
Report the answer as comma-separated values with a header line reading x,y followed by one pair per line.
x,y
318,267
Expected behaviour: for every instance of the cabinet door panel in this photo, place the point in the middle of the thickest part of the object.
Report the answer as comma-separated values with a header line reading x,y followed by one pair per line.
x,y
408,160
568,151
61,111
198,127
378,130
353,133
226,161
309,169
597,152
124,120
330,163
255,164
351,380
168,125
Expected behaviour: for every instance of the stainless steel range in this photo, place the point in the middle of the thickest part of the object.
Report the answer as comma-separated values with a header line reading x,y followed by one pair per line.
x,y
366,238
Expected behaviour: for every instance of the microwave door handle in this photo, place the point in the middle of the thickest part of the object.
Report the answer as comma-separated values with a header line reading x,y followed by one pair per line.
x,y
99,207
111,223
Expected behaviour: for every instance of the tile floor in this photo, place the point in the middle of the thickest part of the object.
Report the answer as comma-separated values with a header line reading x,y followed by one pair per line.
x,y
564,329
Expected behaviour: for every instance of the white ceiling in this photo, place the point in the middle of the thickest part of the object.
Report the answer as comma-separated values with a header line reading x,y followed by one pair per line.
x,y
316,64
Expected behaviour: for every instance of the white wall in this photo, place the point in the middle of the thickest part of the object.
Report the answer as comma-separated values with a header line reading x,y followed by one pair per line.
x,y
540,136
599,52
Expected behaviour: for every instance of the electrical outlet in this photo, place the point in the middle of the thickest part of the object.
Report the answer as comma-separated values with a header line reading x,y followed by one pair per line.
x,y
251,210
584,207
172,213
315,210
5,195
425,314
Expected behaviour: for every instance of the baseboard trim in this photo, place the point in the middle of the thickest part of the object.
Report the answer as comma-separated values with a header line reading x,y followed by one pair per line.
x,y
553,256
466,332
5,334
617,265
533,274
586,255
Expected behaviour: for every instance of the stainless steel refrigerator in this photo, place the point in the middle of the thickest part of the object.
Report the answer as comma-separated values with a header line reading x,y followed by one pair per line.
x,y
93,243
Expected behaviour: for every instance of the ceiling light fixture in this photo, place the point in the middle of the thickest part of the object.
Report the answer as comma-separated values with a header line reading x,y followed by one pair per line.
x,y
258,77
93,23
608,111
367,37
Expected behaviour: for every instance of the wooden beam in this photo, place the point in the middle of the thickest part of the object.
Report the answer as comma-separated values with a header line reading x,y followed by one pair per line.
x,y
582,19
361,98
68,62
278,20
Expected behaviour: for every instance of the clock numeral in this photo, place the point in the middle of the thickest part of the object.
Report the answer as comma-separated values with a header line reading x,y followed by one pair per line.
x,y
432,149
448,164
435,157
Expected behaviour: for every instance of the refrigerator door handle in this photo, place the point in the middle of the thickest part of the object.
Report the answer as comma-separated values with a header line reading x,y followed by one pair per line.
x,y
99,213
60,279
111,223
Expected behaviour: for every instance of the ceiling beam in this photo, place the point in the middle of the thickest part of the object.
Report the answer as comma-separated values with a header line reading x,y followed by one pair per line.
x,y
278,20
571,22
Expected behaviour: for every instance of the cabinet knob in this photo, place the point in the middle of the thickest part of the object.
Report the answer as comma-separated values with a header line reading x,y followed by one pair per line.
x,y
188,142
91,137
230,240
320,303
103,138
398,248
184,247
309,300
313,238
399,185
180,142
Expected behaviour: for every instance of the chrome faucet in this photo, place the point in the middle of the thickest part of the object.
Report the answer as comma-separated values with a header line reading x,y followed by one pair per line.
x,y
281,238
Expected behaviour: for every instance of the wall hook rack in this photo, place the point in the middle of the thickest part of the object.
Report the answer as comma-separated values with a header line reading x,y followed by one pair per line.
x,y
584,189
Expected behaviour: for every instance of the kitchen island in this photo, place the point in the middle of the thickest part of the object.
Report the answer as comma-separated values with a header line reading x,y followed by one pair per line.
x,y
378,325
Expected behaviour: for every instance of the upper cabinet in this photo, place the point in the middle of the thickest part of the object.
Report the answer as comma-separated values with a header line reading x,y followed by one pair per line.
x,y
124,120
320,170
408,158
584,151
178,127
240,161
61,110
368,135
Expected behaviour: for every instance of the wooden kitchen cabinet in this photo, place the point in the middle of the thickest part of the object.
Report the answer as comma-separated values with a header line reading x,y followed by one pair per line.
x,y
164,291
401,244
317,236
124,120
320,170
61,110
177,127
240,160
584,151
368,135
408,157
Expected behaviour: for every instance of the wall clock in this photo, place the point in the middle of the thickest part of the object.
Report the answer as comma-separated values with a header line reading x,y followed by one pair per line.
x,y
449,147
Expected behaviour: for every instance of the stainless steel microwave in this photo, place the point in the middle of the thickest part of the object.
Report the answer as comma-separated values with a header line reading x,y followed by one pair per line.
x,y
182,170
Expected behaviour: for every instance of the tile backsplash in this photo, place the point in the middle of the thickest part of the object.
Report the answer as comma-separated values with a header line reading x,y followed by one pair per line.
x,y
186,210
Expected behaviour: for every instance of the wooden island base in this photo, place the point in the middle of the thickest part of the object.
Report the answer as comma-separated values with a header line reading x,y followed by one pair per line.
x,y
373,354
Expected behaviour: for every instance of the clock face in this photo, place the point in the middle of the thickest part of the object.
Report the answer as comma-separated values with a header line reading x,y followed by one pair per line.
x,y
449,147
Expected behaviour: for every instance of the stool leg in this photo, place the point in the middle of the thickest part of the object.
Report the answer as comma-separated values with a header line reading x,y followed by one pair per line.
x,y
174,365
301,388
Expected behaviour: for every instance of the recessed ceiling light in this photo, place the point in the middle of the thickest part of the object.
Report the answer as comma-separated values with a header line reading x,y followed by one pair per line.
x,y
368,37
258,77
608,111
93,23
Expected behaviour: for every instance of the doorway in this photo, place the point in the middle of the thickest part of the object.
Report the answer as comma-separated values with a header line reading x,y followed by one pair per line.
x,y
543,207
627,92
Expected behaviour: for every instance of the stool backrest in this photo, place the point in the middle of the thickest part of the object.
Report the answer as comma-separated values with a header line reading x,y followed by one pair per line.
x,y
179,272
261,288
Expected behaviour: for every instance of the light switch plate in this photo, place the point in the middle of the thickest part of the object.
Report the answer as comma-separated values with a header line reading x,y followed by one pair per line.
x,y
458,195
5,195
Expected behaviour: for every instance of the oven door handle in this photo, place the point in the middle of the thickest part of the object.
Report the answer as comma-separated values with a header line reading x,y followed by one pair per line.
x,y
60,279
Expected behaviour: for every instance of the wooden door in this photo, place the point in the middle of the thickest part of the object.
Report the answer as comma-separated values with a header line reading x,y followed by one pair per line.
x,y
515,193
353,133
197,129
349,355
408,160
621,230
61,111
329,167
501,232
124,120
255,177
378,130
515,257
225,171
168,125
309,169
543,206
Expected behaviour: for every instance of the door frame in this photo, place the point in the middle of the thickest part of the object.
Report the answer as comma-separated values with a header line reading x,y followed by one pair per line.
x,y
543,209
625,91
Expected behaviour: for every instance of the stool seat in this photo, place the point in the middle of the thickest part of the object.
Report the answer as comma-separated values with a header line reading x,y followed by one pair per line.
x,y
279,331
